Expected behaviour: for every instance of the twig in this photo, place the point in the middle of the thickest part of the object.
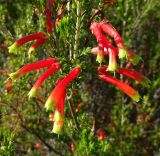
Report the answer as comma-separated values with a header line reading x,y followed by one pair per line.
x,y
77,29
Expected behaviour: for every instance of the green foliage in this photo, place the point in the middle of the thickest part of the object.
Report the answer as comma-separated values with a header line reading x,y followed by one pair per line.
x,y
7,145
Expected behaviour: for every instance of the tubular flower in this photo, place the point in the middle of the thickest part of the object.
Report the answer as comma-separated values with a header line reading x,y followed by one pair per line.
x,y
26,39
122,86
101,39
137,76
103,42
33,66
112,61
59,114
111,31
57,92
97,33
100,56
38,43
54,67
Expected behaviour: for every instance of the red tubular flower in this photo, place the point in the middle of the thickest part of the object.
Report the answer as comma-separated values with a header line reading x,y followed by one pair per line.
x,y
35,45
111,31
55,66
122,86
130,73
26,39
101,135
59,114
100,56
103,42
57,92
101,39
135,75
33,66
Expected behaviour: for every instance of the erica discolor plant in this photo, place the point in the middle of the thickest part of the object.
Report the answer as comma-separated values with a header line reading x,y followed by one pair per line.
x,y
102,30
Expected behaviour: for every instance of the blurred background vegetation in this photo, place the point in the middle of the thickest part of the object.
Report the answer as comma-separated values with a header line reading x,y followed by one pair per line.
x,y
131,129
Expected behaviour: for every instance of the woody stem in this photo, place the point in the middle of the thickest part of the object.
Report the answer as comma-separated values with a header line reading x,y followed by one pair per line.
x,y
72,112
77,29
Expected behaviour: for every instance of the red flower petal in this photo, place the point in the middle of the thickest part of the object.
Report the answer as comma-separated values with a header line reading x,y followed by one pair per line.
x,y
57,92
43,77
33,66
122,86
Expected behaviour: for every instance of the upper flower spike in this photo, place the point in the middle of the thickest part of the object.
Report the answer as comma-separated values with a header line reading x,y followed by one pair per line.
x,y
103,42
111,31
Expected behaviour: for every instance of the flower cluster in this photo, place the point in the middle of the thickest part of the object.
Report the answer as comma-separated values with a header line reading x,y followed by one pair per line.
x,y
56,100
105,47
40,37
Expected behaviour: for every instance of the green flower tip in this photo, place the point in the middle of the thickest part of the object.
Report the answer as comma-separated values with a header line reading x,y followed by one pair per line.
x,y
13,48
31,52
135,60
14,76
32,93
112,68
100,58
57,127
123,53
136,97
49,105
